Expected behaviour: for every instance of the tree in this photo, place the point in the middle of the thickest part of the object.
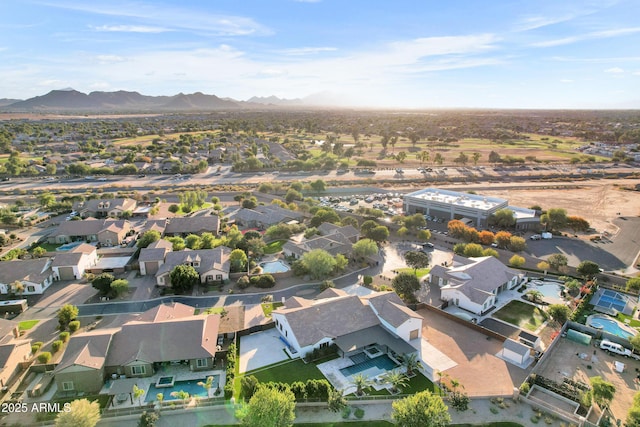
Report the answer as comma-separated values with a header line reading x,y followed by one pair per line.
x,y
486,237
633,417
516,261
183,278
544,266
411,363
588,269
318,185
494,157
82,413
138,393
193,241
633,284
559,312
502,239
361,383
148,419
503,218
66,314
341,262
406,285
174,208
517,244
421,409
248,386
46,199
38,252
554,218
318,263
577,223
557,261
367,226
206,384
238,260
335,400
395,379
473,250
119,287
269,407
424,235
364,248
603,391
102,282
534,295
379,234
416,260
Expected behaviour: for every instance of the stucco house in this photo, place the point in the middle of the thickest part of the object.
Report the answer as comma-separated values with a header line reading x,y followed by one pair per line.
x,y
351,322
152,257
167,333
105,231
35,275
192,225
212,265
103,208
334,243
474,283
72,264
13,351
264,216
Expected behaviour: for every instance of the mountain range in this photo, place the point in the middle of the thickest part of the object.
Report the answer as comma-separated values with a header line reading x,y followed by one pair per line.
x,y
125,101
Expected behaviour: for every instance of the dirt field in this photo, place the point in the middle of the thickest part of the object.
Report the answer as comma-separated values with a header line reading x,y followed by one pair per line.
x,y
566,362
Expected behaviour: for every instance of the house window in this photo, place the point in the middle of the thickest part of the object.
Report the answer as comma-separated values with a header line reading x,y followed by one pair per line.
x,y
201,363
286,333
138,370
67,385
324,345
413,334
209,278
218,276
196,264
161,280
31,288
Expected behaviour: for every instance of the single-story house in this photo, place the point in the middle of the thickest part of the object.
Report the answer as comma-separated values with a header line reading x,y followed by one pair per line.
x,y
13,351
164,334
192,225
35,276
349,321
152,257
334,243
264,216
72,264
103,208
474,283
105,231
348,231
212,265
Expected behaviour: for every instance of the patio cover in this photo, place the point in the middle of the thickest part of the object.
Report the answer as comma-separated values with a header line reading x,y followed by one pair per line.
x,y
373,335
123,386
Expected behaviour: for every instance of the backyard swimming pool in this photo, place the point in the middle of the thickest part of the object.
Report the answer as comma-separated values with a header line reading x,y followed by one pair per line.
x,y
375,366
190,387
610,325
274,267
68,246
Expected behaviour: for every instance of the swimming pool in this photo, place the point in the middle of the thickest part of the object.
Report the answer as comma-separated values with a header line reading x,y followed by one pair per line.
x,y
610,325
274,267
549,290
190,387
68,246
380,363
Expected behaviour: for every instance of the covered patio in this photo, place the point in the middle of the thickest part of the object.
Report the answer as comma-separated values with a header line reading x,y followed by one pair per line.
x,y
375,335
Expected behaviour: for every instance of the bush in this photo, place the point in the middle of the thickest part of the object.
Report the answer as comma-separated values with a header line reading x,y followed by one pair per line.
x,y
524,388
248,386
263,281
36,346
44,357
56,346
74,326
346,411
243,282
359,413
64,336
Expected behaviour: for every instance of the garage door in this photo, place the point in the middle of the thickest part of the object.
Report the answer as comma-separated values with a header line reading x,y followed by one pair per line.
x,y
66,273
151,267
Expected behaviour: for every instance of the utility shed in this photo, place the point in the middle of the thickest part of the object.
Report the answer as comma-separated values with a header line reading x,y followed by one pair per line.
x,y
516,353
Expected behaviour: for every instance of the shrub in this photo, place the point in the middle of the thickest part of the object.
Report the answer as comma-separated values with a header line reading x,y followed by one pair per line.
x,y
263,281
524,388
44,357
359,413
74,326
346,411
248,386
35,347
56,346
243,282
64,336
367,280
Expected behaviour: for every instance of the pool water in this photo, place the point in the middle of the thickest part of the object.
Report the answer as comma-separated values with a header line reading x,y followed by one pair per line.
x,y
68,246
274,267
190,387
383,362
610,326
549,291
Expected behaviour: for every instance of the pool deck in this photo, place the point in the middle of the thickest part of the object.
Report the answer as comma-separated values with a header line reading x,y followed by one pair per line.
x,y
622,326
331,370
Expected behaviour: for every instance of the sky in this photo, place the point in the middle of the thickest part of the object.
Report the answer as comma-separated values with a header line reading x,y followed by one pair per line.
x,y
364,53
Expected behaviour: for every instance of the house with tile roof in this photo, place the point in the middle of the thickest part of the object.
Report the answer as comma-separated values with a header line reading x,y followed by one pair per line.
x,y
104,208
474,283
163,334
72,264
212,265
351,322
264,216
107,232
13,351
334,242
192,225
34,274
152,257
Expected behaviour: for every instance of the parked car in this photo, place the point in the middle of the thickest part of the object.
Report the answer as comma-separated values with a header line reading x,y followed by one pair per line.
x,y
615,348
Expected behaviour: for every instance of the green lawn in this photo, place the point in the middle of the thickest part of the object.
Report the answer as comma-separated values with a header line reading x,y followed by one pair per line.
x,y
415,385
268,307
288,372
521,314
274,247
50,247
498,424
379,423
634,323
25,325
421,272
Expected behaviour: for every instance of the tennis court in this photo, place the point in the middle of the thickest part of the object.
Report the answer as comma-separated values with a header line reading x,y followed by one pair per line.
x,y
609,300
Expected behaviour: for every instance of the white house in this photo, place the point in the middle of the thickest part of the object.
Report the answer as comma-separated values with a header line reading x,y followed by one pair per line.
x,y
516,353
34,275
351,322
474,283
72,264
212,265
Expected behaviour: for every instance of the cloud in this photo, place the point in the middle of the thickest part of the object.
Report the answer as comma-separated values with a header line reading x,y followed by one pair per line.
x,y
614,70
566,81
130,29
588,36
306,50
108,59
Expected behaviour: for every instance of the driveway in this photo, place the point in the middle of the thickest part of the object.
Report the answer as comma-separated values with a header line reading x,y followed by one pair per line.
x,y
261,349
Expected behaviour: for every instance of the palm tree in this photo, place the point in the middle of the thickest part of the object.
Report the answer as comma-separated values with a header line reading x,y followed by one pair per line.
x,y
137,393
411,363
396,379
534,296
206,385
361,382
17,287
160,398
181,395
